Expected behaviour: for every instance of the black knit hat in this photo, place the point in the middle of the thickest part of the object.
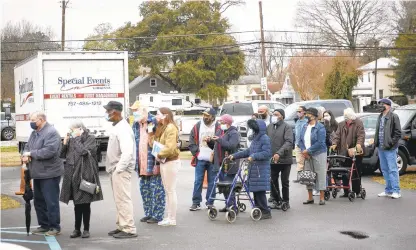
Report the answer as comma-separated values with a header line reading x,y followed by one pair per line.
x,y
312,111
281,111
252,124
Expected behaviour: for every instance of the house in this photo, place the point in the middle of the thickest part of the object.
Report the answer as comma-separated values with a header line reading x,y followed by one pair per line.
x,y
147,84
286,93
241,89
385,80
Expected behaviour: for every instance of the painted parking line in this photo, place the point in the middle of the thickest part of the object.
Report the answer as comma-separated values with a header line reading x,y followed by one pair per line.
x,y
49,240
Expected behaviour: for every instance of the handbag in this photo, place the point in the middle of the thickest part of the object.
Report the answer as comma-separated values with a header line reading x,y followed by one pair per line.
x,y
307,177
85,185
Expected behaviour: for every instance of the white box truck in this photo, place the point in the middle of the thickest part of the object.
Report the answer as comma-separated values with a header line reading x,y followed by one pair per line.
x,y
69,85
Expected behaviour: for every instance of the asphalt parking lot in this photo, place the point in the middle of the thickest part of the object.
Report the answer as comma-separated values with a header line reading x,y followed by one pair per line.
x,y
384,223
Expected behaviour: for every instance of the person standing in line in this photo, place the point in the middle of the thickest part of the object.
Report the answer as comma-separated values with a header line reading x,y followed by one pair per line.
x,y
151,187
259,154
281,136
120,163
300,123
79,150
203,153
224,143
167,135
263,112
349,141
388,134
41,154
312,144
330,124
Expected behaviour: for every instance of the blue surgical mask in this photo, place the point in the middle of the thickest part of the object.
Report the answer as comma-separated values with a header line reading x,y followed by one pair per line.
x,y
224,127
137,116
107,117
33,125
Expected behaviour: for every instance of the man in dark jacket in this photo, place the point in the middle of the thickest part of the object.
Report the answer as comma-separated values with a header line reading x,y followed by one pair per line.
x,y
202,154
388,134
46,168
225,143
281,137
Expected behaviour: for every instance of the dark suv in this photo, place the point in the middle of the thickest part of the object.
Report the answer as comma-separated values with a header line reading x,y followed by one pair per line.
x,y
407,145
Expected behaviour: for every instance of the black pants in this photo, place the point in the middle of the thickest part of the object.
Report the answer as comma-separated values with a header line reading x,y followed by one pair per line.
x,y
284,169
356,180
46,201
260,200
82,211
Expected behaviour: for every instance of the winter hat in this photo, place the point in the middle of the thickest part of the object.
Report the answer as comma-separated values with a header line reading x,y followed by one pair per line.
x,y
281,111
227,119
252,124
385,101
349,114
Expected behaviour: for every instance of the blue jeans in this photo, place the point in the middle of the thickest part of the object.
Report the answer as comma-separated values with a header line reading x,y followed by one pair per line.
x,y
200,169
388,165
46,201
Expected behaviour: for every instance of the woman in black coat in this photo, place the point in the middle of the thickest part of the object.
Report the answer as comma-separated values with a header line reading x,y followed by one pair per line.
x,y
79,151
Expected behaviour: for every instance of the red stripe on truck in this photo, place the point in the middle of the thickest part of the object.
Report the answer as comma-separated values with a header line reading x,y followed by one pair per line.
x,y
89,95
22,117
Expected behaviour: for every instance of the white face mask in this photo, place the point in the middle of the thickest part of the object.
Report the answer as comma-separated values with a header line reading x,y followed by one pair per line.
x,y
224,127
328,118
275,119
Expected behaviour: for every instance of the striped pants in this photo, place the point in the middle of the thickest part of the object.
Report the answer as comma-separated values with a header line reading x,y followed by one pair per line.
x,y
153,195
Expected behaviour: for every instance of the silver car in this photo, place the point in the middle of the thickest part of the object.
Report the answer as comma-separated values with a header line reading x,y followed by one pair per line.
x,y
8,127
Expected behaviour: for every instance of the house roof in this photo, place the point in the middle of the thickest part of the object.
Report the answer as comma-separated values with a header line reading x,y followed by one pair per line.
x,y
382,63
247,79
137,81
257,90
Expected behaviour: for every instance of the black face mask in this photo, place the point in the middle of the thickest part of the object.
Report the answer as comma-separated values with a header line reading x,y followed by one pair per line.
x,y
207,121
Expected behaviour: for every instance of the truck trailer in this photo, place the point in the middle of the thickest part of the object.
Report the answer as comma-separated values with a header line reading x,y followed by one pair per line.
x,y
68,86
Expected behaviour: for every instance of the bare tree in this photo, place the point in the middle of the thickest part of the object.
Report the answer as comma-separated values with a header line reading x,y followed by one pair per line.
x,y
13,51
404,13
348,23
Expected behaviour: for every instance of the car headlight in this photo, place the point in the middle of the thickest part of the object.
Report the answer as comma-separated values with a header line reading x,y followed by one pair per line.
x,y
368,142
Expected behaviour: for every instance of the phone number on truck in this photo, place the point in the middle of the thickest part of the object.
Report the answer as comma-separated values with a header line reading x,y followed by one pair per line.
x,y
84,103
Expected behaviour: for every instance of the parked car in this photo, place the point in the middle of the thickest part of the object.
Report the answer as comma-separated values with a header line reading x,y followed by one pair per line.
x,y
374,107
407,145
241,112
8,127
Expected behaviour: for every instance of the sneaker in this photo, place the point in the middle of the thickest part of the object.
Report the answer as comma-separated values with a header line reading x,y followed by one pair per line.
x,y
53,232
167,222
396,195
195,207
124,235
40,231
111,233
75,234
85,234
384,194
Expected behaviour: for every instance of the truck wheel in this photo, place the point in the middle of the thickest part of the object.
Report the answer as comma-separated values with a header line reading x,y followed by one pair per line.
x,y
401,162
7,134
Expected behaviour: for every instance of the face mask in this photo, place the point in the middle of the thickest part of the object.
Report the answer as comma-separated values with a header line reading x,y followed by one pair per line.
x,y
224,127
327,118
75,133
207,121
299,115
275,119
250,137
263,116
308,119
33,125
107,117
137,116
383,108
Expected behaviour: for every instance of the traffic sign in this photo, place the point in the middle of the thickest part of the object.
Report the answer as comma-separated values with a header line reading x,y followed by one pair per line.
x,y
263,84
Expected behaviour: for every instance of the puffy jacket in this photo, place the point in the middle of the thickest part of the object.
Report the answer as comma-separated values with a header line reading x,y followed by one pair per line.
x,y
228,142
260,151
281,137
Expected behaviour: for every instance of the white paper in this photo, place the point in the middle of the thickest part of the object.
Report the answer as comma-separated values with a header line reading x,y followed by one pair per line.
x,y
157,147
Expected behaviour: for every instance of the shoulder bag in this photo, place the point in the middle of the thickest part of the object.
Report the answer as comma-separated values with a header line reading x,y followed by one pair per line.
x,y
87,186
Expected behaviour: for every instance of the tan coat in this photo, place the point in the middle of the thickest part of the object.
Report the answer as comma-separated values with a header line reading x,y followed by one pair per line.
x,y
169,139
347,137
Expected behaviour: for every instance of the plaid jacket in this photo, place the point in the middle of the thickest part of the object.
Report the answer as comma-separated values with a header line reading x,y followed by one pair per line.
x,y
150,158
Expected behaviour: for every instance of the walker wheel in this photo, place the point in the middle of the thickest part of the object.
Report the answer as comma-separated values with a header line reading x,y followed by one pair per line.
x,y
327,195
234,208
363,194
256,214
334,193
212,213
242,207
351,196
230,216
285,206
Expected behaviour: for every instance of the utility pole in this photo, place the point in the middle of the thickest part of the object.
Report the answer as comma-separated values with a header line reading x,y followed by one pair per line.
x,y
375,72
64,5
263,51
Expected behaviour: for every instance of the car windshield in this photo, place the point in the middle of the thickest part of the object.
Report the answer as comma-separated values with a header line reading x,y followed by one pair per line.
x,y
404,116
236,109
